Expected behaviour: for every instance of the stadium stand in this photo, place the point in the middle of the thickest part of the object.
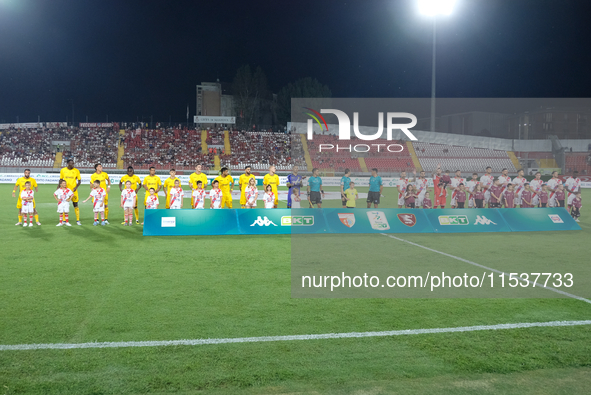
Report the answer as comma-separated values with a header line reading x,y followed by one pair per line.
x,y
580,162
260,149
27,147
166,148
91,146
466,159
182,149
333,159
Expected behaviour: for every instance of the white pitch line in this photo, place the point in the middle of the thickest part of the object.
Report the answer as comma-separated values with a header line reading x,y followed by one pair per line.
x,y
200,342
489,268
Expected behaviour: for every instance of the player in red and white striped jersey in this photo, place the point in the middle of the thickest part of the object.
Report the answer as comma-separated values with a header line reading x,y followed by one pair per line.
x,y
487,181
519,184
470,186
572,185
536,187
421,185
553,184
455,185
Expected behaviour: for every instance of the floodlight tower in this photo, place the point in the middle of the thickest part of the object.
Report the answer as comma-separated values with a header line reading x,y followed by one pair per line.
x,y
433,9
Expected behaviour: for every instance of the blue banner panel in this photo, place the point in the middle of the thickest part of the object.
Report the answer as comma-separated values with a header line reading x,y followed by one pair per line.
x,y
467,220
377,221
537,219
189,222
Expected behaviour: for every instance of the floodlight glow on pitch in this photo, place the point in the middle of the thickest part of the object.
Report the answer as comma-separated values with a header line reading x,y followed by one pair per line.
x,y
436,7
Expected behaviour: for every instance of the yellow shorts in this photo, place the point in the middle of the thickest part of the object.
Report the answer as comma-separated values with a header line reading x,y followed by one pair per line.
x,y
167,201
226,200
75,197
19,203
242,199
276,197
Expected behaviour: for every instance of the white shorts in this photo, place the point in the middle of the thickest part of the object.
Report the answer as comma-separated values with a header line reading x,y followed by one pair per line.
x,y
199,205
552,200
63,208
535,200
175,207
401,200
420,199
100,209
517,199
471,203
28,208
453,200
128,206
487,196
569,200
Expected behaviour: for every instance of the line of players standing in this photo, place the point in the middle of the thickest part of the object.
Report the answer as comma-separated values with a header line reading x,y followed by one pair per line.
x,y
490,191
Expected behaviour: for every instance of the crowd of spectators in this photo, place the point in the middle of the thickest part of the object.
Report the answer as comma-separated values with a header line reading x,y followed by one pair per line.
x,y
164,148
91,146
264,148
38,146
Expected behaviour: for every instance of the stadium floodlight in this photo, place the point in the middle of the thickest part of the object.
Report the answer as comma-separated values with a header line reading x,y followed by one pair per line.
x,y
436,7
433,8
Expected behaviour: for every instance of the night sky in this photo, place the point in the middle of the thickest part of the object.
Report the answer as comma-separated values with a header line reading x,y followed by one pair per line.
x,y
129,58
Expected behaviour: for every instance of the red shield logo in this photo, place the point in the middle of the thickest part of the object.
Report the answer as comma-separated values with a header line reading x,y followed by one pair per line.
x,y
407,219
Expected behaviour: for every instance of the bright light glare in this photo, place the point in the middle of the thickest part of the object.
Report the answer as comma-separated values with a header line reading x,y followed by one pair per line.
x,y
436,7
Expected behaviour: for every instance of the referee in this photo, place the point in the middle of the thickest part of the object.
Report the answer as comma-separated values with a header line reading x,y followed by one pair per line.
x,y
315,189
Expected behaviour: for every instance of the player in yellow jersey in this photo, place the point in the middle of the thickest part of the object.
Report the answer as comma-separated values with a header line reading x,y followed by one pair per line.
x,y
243,183
198,176
226,185
151,181
103,178
273,180
169,184
20,184
73,181
136,185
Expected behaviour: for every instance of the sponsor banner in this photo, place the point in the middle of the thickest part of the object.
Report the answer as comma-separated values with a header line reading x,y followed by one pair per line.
x,y
467,220
377,221
539,219
29,125
206,119
93,125
188,222
56,124
359,181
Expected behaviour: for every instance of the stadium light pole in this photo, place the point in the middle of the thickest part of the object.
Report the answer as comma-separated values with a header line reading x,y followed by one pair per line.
x,y
433,9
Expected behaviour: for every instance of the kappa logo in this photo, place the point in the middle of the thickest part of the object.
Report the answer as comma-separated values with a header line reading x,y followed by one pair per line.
x,y
378,220
263,221
297,220
348,219
483,220
453,220
556,218
408,219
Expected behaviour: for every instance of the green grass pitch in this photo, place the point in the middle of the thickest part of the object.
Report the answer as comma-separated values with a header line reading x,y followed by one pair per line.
x,y
85,284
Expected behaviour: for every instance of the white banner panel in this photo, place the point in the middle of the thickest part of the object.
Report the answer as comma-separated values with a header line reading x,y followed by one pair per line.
x,y
206,119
